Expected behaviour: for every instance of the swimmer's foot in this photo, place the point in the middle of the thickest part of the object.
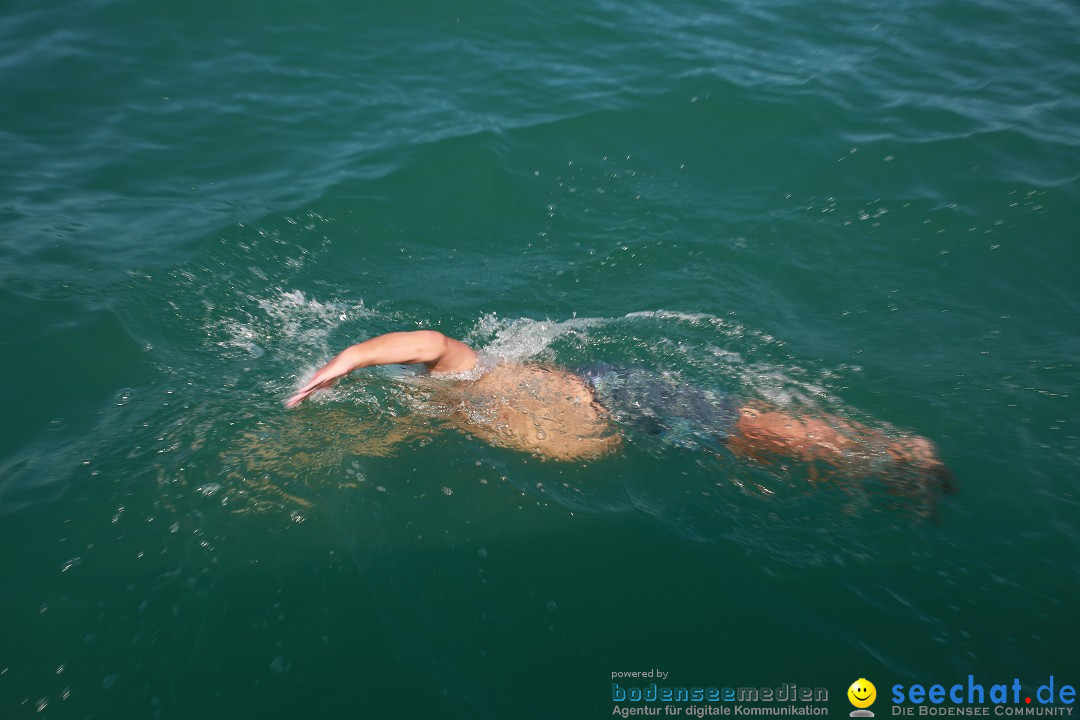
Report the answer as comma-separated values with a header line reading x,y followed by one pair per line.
x,y
943,476
920,453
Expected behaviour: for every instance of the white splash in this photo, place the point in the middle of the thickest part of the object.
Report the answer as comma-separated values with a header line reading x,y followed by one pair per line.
x,y
523,339
288,320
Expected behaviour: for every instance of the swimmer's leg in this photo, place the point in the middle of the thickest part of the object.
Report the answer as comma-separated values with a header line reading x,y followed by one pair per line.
x,y
846,445
760,430
907,467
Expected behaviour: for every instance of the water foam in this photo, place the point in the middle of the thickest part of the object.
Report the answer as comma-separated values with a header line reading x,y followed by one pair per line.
x,y
524,339
287,320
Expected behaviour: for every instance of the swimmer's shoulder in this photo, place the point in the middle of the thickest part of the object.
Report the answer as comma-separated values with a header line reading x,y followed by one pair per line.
x,y
456,357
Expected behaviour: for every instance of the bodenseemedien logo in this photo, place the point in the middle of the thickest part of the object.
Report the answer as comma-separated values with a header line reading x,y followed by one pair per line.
x,y
862,694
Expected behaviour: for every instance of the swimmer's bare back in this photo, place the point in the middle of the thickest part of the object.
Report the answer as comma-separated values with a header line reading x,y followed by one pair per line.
x,y
545,411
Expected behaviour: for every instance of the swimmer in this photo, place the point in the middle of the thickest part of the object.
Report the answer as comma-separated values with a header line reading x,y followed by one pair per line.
x,y
560,415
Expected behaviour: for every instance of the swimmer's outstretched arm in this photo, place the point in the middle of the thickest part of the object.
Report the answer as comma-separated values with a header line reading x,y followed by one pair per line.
x,y
432,348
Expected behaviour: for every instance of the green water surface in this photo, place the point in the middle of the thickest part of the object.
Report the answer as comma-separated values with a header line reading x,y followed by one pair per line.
x,y
864,209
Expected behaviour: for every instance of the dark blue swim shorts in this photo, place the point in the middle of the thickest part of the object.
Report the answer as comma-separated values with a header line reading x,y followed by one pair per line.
x,y
655,406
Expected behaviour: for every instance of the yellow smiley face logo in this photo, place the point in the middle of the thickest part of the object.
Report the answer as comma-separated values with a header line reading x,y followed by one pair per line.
x,y
862,693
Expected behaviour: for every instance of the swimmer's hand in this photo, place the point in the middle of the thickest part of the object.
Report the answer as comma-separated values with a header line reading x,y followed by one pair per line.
x,y
329,374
